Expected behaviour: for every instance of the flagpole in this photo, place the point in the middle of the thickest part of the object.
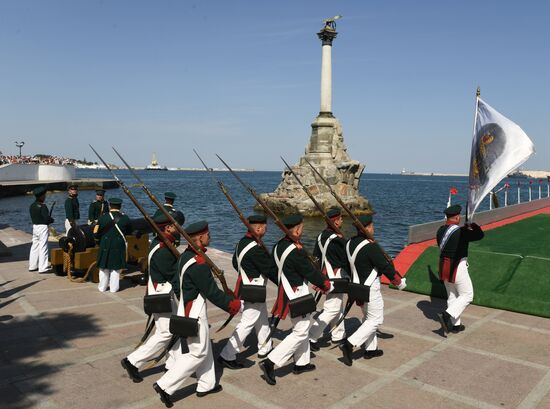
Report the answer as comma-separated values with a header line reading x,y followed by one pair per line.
x,y
478,93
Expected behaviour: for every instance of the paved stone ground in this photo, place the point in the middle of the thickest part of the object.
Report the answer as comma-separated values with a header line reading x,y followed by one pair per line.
x,y
61,344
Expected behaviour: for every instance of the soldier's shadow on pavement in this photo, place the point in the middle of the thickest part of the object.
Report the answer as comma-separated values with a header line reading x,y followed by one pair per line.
x,y
25,344
436,304
18,253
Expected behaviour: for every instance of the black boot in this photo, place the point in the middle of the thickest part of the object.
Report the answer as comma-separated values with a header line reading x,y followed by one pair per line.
x,y
164,397
215,389
373,354
298,369
457,328
133,372
347,350
445,320
314,346
234,364
268,369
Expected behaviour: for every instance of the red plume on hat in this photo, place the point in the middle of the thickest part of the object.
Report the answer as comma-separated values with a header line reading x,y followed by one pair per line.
x,y
452,191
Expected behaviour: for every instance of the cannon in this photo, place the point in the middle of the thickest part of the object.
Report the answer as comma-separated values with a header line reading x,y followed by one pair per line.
x,y
77,253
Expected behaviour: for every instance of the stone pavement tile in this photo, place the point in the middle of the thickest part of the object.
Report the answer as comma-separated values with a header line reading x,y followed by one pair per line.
x,y
319,388
120,336
63,299
47,282
477,311
8,308
402,296
526,320
420,319
399,395
545,402
479,377
505,340
20,327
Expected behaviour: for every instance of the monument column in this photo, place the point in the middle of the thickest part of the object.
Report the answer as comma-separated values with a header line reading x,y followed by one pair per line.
x,y
327,34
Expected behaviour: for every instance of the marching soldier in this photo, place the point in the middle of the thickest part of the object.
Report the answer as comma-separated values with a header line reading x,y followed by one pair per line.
x,y
254,265
163,279
169,198
295,271
40,217
110,230
72,208
197,286
330,248
453,242
368,262
97,207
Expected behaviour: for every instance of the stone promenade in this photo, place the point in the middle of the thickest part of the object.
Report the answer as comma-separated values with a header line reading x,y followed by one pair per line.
x,y
61,345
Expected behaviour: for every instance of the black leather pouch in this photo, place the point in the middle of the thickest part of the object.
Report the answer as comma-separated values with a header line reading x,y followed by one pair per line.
x,y
157,303
253,293
302,305
184,326
358,292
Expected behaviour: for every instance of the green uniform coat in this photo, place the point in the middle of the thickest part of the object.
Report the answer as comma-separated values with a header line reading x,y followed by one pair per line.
x,y
336,251
163,266
72,209
97,208
369,257
39,213
112,246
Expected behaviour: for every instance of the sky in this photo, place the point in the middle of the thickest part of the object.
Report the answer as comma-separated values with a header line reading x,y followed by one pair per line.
x,y
242,79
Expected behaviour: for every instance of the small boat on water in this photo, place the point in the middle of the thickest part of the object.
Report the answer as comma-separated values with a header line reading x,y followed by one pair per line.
x,y
518,174
155,165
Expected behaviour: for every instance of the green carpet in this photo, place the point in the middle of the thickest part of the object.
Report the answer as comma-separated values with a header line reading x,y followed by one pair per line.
x,y
509,268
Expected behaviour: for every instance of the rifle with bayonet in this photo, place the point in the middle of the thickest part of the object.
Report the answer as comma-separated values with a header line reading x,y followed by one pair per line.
x,y
218,273
279,223
329,221
241,217
150,323
358,225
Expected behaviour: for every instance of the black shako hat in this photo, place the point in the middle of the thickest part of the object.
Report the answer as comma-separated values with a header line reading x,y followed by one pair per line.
x,y
161,219
365,219
292,220
334,212
117,201
100,192
39,191
257,219
197,228
170,195
453,210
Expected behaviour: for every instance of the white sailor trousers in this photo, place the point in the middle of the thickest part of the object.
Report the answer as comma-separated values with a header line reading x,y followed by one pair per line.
x,y
38,257
373,317
460,293
333,309
199,360
295,344
109,278
254,316
156,342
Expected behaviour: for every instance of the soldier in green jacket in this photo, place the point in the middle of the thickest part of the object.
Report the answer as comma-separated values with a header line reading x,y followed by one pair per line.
x,y
295,271
254,266
110,230
367,263
98,207
72,208
169,198
163,279
330,248
197,286
40,217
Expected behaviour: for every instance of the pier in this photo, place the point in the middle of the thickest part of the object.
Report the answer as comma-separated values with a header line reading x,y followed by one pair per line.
x,y
23,187
61,344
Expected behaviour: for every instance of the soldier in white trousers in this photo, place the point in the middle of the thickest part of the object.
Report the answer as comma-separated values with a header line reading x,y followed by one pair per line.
x,y
163,279
254,265
368,261
197,286
40,217
453,241
330,248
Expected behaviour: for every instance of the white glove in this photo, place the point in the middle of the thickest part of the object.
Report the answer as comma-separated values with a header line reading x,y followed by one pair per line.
x,y
331,289
402,284
242,306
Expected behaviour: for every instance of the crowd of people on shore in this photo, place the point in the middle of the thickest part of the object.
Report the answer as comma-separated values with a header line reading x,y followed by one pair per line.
x,y
36,160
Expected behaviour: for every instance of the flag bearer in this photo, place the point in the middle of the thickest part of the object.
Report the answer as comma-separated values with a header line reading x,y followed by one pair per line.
x,y
40,217
330,248
72,208
98,207
295,271
110,230
453,242
163,279
197,286
368,262
255,266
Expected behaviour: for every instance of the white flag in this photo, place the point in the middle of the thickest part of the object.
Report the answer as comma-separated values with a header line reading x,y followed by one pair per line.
x,y
499,146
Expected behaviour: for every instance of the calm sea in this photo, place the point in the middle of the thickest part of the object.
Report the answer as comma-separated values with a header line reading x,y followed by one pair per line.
x,y
400,201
